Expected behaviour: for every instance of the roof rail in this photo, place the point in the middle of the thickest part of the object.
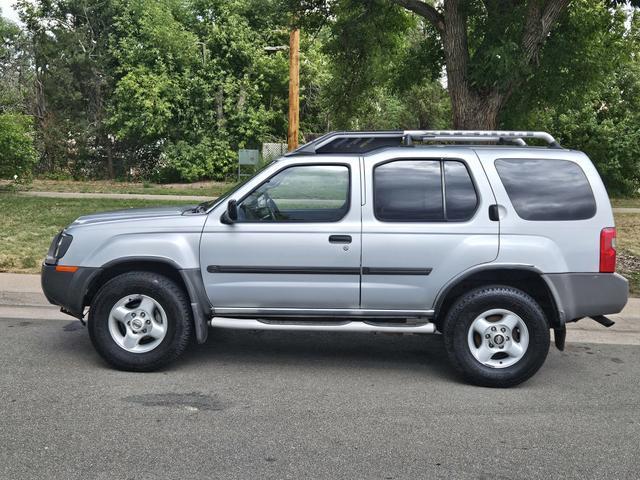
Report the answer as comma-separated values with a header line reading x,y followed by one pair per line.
x,y
362,142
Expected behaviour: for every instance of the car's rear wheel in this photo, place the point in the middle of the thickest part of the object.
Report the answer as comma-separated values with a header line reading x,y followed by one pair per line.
x,y
140,321
496,336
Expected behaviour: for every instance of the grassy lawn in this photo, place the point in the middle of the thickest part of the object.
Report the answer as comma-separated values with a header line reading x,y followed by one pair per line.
x,y
29,224
628,227
212,189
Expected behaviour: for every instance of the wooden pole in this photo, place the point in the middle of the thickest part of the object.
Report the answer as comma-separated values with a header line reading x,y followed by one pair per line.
x,y
294,89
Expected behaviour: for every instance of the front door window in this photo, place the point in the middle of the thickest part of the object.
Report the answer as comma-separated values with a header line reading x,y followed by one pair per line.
x,y
303,193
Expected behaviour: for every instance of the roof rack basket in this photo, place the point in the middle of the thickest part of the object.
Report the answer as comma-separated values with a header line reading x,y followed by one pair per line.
x,y
361,142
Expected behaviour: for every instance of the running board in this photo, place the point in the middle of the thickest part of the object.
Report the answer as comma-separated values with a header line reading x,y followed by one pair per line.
x,y
358,326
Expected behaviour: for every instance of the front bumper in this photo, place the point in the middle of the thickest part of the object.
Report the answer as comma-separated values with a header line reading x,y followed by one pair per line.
x,y
67,289
588,294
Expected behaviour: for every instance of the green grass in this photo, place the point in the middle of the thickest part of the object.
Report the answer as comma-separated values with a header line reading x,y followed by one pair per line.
x,y
628,229
207,189
29,224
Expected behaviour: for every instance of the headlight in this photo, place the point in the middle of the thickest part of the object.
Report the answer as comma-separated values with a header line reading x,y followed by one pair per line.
x,y
58,248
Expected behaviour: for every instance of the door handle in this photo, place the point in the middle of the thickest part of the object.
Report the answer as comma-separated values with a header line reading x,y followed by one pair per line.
x,y
340,239
494,213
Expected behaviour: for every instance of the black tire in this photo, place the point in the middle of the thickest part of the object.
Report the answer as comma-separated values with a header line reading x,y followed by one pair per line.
x,y
468,307
168,294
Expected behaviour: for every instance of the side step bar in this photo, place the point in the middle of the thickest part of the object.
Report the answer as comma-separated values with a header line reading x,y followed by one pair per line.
x,y
358,326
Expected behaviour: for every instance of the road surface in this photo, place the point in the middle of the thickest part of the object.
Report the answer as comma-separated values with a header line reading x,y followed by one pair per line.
x,y
275,405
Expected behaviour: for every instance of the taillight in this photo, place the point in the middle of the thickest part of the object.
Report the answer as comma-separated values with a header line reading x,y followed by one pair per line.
x,y
608,250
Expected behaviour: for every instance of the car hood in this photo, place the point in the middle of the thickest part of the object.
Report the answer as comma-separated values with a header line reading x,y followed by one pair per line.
x,y
132,214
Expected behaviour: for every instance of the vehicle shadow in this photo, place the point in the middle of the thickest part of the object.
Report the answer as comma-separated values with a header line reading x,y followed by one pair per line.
x,y
419,353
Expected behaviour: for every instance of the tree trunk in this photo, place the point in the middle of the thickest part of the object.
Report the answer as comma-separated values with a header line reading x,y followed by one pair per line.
x,y
473,111
109,150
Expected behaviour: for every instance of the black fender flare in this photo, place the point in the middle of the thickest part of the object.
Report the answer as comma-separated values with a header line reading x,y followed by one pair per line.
x,y
193,283
446,289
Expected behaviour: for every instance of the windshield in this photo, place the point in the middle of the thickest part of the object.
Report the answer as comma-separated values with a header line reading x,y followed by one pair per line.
x,y
209,204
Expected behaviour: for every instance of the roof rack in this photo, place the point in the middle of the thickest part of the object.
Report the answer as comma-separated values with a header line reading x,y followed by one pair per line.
x,y
362,142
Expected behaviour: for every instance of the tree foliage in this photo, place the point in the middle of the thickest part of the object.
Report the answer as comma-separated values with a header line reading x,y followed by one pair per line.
x,y
16,147
587,91
171,89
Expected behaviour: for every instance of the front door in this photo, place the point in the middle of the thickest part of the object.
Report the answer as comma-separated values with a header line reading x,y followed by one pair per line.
x,y
425,221
295,245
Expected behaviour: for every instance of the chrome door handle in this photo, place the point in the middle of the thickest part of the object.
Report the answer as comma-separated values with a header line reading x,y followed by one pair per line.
x,y
340,239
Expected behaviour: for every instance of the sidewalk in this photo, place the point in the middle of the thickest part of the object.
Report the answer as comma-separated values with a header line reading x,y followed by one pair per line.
x,y
21,297
119,196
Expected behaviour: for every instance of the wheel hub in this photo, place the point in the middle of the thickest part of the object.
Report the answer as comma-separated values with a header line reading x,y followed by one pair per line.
x,y
497,336
491,333
138,323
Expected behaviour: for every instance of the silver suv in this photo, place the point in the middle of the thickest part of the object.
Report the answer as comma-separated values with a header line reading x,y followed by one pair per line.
x,y
477,235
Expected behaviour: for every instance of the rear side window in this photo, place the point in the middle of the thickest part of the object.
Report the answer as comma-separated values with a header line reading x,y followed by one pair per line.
x,y
547,189
423,191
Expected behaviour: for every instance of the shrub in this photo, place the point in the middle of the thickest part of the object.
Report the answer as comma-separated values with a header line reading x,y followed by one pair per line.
x,y
17,152
210,159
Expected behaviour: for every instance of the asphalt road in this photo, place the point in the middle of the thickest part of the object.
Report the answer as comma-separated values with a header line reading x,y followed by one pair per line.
x,y
275,405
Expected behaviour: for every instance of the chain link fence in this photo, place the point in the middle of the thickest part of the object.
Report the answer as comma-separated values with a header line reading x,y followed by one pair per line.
x,y
271,151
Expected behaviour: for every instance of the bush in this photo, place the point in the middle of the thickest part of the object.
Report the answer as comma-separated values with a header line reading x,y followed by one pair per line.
x,y
17,151
210,159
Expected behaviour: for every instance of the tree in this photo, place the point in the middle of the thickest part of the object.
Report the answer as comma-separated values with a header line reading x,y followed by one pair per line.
x,y
194,82
381,69
16,73
587,91
72,80
16,146
488,48
484,71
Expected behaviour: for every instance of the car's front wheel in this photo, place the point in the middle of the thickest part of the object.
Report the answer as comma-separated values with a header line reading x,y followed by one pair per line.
x,y
496,336
140,321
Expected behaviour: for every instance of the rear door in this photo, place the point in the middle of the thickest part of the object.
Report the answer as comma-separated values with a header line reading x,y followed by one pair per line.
x,y
425,220
296,244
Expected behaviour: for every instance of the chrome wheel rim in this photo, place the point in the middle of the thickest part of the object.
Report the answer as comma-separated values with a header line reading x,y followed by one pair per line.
x,y
498,338
137,323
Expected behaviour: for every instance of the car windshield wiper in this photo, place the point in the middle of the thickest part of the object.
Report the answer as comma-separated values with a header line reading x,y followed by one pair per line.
x,y
202,207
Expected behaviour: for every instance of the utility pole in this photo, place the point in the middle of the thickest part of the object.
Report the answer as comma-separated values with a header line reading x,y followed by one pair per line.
x,y
294,89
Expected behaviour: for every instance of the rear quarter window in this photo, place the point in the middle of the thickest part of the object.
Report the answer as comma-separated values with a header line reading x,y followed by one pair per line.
x,y
547,189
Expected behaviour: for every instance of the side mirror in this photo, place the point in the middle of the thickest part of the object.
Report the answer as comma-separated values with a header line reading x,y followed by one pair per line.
x,y
231,215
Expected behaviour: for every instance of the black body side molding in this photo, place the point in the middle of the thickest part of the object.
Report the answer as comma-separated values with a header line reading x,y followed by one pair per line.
x,y
317,270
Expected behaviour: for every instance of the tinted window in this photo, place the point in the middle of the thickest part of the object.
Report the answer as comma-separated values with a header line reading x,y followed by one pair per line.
x,y
408,191
547,189
460,195
306,193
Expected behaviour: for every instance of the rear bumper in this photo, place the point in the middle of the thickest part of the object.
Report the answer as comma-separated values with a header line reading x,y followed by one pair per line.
x,y
586,294
67,289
